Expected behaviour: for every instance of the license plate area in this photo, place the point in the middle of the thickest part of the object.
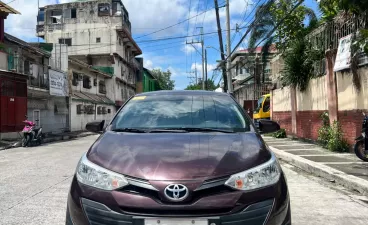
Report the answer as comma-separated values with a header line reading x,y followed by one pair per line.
x,y
174,221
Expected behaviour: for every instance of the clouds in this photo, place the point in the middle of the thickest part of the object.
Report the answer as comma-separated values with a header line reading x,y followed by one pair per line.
x,y
188,48
24,25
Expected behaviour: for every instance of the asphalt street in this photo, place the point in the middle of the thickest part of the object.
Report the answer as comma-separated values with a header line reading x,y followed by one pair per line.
x,y
34,184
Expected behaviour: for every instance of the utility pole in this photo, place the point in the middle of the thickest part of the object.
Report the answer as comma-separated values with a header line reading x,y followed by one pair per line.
x,y
202,42
202,54
221,45
205,67
228,45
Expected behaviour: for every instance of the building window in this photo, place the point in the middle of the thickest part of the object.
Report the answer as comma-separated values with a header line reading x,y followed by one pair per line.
x,y
27,67
98,40
108,111
56,16
67,41
116,9
73,13
103,9
101,87
120,41
87,82
75,79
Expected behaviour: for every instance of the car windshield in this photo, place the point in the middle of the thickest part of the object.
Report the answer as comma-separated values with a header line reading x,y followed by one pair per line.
x,y
259,105
178,112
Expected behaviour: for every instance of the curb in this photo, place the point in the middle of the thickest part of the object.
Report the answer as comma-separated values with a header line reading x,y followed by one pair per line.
x,y
348,181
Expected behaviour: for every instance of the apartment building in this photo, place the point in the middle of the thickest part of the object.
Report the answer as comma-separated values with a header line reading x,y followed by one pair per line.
x,y
97,33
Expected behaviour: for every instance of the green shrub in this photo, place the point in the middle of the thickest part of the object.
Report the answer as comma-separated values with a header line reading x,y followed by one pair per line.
x,y
331,137
336,142
279,134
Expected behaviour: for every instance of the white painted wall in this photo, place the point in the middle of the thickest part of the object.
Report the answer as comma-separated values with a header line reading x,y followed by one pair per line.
x,y
80,121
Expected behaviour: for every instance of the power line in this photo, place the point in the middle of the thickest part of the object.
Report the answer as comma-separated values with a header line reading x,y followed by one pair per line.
x,y
247,32
269,33
179,37
183,21
10,2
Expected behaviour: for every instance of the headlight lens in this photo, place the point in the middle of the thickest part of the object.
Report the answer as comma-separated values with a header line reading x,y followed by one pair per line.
x,y
261,176
90,174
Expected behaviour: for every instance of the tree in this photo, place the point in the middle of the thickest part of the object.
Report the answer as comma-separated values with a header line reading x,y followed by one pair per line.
x,y
210,86
271,13
164,79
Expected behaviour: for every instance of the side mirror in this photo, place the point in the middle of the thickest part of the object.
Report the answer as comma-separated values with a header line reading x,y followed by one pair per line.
x,y
268,126
95,127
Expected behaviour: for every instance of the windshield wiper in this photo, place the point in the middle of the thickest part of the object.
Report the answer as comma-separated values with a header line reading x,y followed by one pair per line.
x,y
129,130
199,129
168,130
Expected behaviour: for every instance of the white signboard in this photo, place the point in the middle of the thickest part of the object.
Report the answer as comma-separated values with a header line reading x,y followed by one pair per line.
x,y
58,83
343,58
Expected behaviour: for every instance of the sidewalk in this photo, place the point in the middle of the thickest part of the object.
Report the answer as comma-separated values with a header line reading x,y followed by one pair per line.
x,y
342,168
51,138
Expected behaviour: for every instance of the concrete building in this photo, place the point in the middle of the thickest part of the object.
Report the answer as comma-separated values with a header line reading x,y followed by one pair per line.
x,y
251,72
13,91
47,105
89,101
97,33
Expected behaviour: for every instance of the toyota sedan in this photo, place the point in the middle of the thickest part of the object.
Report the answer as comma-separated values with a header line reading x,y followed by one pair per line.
x,y
179,158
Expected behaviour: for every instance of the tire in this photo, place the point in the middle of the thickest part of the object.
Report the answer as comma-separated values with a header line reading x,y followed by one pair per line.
x,y
359,150
25,141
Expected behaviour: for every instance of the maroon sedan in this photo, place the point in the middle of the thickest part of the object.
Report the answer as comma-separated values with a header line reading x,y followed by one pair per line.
x,y
179,158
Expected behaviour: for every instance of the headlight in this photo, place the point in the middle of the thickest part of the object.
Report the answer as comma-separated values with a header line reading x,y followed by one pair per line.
x,y
92,175
261,176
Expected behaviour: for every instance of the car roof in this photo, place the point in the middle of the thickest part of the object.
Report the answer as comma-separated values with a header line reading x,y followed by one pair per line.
x,y
184,92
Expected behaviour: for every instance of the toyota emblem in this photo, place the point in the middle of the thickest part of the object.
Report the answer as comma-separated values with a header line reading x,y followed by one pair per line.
x,y
176,192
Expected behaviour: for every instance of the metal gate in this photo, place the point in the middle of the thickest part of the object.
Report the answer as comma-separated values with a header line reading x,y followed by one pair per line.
x,y
13,104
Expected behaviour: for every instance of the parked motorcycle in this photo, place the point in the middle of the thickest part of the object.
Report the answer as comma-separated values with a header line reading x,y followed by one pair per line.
x,y
361,145
32,136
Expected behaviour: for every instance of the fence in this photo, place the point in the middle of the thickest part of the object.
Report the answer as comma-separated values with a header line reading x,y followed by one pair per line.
x,y
327,36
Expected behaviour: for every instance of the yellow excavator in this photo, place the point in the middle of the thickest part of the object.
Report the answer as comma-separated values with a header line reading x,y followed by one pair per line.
x,y
262,110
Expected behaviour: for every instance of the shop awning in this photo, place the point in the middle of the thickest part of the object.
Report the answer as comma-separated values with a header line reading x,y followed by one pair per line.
x,y
91,98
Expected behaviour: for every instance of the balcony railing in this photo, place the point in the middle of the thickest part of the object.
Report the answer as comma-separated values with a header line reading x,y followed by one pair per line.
x,y
39,82
40,28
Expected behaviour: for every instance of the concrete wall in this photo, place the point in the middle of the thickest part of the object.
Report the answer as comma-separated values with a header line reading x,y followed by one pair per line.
x,y
314,101
79,121
85,29
281,100
59,57
3,60
54,113
315,97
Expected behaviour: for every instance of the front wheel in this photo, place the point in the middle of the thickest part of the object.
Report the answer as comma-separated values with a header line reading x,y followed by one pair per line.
x,y
25,140
359,149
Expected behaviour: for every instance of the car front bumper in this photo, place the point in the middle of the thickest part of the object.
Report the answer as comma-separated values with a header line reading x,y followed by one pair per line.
x,y
82,210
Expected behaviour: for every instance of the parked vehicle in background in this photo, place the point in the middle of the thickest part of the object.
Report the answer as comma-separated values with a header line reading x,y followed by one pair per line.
x,y
31,135
262,110
179,158
361,145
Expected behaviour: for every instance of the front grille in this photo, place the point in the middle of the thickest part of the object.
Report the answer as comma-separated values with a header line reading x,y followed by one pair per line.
x,y
179,212
255,214
209,187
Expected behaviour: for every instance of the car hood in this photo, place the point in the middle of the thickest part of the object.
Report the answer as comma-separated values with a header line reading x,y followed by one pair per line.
x,y
178,156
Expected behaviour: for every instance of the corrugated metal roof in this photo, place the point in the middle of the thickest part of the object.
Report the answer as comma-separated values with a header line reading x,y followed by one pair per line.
x,y
98,99
25,44
7,9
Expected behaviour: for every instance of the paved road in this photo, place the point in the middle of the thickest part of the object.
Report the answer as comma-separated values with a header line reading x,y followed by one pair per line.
x,y
34,183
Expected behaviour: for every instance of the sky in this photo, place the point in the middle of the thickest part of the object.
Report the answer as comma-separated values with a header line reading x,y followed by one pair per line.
x,y
149,16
